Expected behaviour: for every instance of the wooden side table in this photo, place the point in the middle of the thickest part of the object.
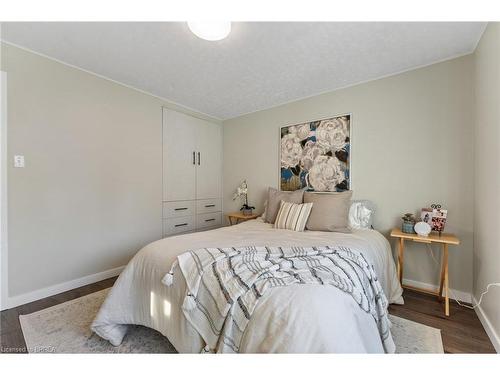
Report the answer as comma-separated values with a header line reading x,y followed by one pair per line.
x,y
239,217
444,239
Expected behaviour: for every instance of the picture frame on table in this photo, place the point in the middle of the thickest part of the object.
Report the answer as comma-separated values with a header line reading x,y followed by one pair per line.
x,y
435,217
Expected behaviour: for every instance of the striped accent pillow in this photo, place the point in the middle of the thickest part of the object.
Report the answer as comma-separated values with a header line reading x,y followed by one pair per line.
x,y
293,216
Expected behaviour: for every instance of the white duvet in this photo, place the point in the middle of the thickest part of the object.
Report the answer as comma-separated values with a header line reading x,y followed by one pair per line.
x,y
292,319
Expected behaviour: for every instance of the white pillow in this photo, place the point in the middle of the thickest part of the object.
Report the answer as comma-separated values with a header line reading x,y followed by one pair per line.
x,y
292,216
361,214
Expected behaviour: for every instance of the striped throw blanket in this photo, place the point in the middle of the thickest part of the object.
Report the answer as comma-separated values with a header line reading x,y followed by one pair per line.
x,y
225,284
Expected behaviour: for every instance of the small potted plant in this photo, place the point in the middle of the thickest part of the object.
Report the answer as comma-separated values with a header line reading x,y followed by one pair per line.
x,y
242,193
408,223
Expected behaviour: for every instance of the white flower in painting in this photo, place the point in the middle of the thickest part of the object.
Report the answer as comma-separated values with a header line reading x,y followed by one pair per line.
x,y
332,134
310,152
291,151
303,131
326,173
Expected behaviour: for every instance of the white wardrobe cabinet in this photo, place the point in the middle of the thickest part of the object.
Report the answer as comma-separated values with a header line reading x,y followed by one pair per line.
x,y
179,148
209,160
192,173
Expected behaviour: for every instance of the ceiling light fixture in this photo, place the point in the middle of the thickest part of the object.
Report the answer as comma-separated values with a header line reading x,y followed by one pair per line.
x,y
210,30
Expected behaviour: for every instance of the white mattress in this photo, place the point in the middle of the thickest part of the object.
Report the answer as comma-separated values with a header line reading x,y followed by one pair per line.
x,y
281,321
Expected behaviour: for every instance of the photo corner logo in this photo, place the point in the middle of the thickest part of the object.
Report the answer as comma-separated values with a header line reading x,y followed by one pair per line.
x,y
35,349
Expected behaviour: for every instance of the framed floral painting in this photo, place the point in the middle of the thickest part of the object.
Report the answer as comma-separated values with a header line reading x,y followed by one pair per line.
x,y
316,155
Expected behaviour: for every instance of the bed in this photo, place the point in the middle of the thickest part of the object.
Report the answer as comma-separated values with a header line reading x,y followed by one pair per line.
x,y
292,319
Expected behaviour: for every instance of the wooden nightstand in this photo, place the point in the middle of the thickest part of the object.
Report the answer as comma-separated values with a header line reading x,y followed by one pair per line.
x,y
238,216
445,239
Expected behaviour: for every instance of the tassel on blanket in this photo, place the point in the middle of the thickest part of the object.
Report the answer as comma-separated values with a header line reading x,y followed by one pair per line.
x,y
168,279
189,303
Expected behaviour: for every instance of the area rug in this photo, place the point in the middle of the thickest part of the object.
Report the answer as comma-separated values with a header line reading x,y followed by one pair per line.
x,y
64,328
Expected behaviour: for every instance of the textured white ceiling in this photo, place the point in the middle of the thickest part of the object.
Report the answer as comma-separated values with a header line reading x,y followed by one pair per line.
x,y
260,65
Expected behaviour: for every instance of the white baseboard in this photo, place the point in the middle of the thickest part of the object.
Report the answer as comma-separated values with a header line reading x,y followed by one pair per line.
x,y
488,327
458,294
21,299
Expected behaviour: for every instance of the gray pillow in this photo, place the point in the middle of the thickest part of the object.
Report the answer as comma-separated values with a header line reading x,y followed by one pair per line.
x,y
330,211
274,198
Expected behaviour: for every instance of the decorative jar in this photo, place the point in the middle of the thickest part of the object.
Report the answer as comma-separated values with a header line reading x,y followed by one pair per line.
x,y
407,227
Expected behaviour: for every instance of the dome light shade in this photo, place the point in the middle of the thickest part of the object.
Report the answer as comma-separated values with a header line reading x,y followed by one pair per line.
x,y
210,30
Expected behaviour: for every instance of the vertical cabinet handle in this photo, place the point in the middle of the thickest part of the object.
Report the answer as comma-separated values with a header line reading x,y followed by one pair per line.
x,y
194,158
199,158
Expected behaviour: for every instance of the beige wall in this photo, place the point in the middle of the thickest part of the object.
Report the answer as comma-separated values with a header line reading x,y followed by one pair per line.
x,y
90,194
487,175
412,145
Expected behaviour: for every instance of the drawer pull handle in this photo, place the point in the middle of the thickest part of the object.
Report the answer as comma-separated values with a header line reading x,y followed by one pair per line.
x,y
180,208
181,225
210,220
210,205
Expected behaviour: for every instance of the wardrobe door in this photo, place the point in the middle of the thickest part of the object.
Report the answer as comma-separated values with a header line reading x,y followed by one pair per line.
x,y
179,156
208,160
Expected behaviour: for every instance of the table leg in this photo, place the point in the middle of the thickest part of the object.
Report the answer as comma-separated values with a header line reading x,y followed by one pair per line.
x,y
230,220
447,301
400,259
441,280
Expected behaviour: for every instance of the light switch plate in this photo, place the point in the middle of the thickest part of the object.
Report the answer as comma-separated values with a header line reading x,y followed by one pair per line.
x,y
18,161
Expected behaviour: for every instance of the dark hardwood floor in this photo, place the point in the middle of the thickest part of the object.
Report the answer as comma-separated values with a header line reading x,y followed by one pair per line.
x,y
11,336
461,332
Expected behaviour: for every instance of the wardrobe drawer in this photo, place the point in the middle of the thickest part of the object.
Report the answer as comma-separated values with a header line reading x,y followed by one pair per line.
x,y
208,205
178,225
208,220
178,209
